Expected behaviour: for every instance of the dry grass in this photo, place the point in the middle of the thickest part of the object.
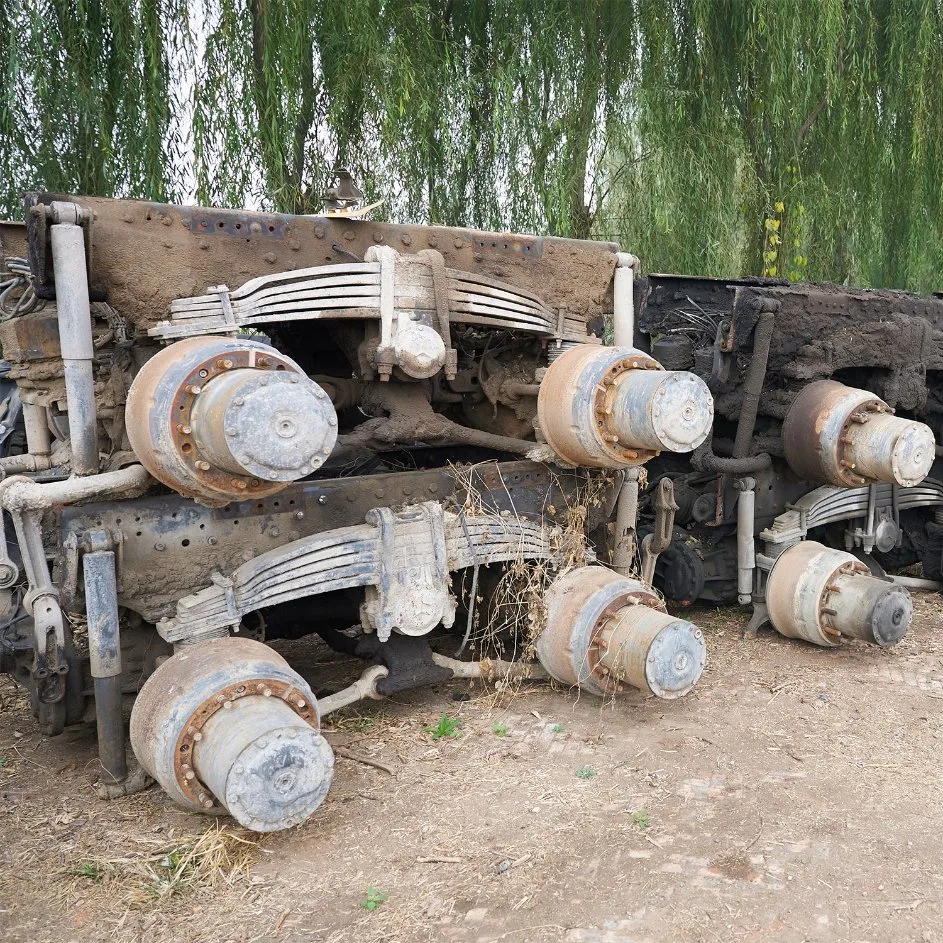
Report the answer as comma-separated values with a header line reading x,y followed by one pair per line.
x,y
219,856
508,626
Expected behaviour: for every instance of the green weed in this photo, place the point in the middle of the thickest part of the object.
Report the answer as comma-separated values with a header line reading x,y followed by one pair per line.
x,y
446,727
88,870
374,897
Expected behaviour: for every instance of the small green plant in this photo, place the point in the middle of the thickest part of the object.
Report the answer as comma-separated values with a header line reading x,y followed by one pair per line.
x,y
88,870
557,728
586,772
5,761
499,729
374,897
446,727
641,818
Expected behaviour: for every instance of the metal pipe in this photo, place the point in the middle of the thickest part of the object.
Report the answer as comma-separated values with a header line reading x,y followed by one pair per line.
x,y
104,650
38,455
518,388
17,464
24,494
746,548
623,300
916,582
624,548
487,440
29,538
38,439
75,339
364,687
492,669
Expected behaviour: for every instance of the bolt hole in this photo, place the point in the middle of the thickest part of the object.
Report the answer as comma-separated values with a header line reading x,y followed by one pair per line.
x,y
138,533
186,447
238,225
184,543
271,229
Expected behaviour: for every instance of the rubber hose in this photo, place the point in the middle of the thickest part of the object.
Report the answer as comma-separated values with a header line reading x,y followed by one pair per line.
x,y
753,386
741,463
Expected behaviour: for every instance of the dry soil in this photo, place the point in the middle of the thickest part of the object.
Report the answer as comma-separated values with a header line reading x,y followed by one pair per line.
x,y
794,795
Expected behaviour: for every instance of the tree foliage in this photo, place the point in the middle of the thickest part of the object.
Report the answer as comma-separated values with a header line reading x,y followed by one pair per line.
x,y
802,138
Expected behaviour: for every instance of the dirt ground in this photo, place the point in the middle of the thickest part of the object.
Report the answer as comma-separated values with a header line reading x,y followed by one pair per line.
x,y
794,795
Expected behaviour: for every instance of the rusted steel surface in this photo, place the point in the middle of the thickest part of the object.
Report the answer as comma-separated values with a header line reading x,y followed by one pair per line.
x,y
840,435
12,239
31,337
171,545
164,420
820,594
184,693
196,245
604,632
615,407
223,699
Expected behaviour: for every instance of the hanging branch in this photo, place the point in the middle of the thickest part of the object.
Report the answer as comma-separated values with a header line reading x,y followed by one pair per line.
x,y
674,128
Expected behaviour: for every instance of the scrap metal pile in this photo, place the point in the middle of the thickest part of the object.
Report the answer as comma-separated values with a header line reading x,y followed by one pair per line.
x,y
222,429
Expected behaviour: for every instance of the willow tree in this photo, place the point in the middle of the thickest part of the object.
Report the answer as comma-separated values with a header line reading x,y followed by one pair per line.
x,y
801,138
